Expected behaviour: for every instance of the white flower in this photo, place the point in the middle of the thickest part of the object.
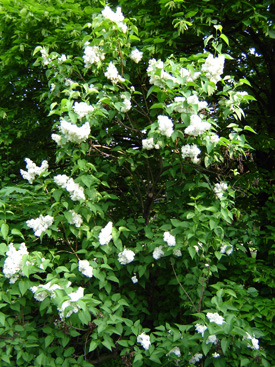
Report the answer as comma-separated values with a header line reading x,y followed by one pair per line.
x,y
52,87
190,151
112,74
126,104
228,249
254,341
171,240
126,256
85,268
134,279
74,297
200,329
62,58
215,317
56,138
196,358
82,109
214,139
61,180
40,224
188,73
219,189
73,133
144,340
75,190
115,17
197,126
33,170
45,291
76,219
215,355
13,264
213,67
158,253
212,339
105,234
165,125
176,351
92,55
148,144
45,56
136,55
177,253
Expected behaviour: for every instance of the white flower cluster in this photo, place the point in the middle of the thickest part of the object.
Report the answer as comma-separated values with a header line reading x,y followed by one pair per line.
x,y
76,219
112,74
215,317
169,239
73,133
165,125
177,252
126,104
126,256
215,355
75,190
105,235
45,56
197,126
158,253
197,248
82,109
33,170
62,58
226,249
190,77
71,303
149,144
191,151
219,189
200,329
136,55
40,224
144,340
12,268
212,339
85,268
214,138
254,341
157,77
196,358
44,291
92,55
134,279
213,67
175,351
116,17
178,104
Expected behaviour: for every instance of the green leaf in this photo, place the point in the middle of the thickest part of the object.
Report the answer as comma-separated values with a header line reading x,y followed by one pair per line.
x,y
249,129
4,230
225,342
2,318
48,340
68,352
223,36
93,346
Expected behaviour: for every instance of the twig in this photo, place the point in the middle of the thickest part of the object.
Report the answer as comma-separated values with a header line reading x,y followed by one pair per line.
x,y
183,288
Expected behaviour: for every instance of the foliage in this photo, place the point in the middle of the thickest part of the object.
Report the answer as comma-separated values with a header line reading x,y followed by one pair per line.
x,y
128,186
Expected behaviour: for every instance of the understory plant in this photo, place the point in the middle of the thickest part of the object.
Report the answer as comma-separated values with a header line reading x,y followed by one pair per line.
x,y
121,248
